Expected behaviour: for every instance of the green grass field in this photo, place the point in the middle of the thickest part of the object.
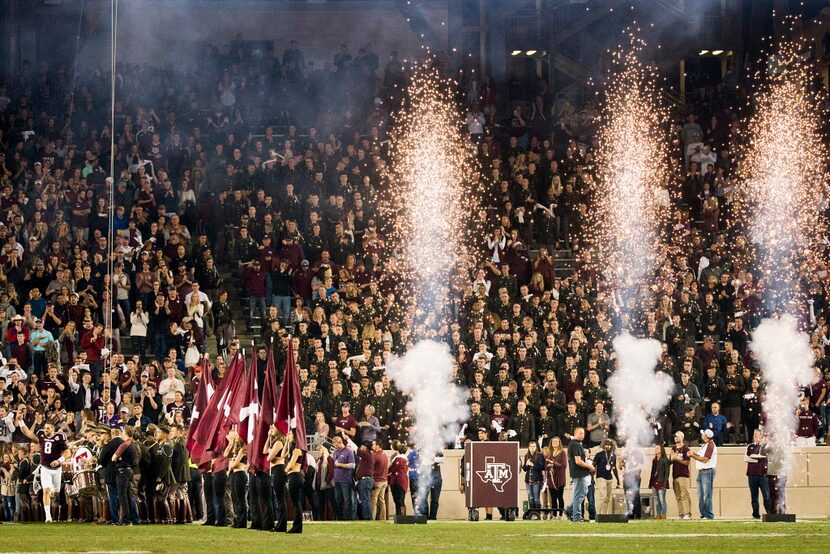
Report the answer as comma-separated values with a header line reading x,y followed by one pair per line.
x,y
540,536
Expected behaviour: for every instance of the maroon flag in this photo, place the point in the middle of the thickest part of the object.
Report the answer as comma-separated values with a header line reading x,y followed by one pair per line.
x,y
237,401
210,432
290,409
203,396
267,416
249,410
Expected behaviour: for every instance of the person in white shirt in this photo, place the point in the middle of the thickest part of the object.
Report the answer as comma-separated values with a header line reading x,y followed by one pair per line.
x,y
704,156
6,425
475,124
204,298
480,280
139,321
496,243
706,461
169,386
483,353
10,368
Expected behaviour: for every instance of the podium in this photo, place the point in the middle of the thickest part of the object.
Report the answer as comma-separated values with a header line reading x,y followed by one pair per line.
x,y
491,476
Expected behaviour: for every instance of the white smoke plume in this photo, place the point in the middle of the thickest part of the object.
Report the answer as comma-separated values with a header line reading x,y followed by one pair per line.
x,y
637,390
436,403
786,361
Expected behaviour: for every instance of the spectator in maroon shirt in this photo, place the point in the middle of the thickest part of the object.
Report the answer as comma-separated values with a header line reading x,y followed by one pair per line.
x,y
92,342
175,304
679,456
379,475
254,278
498,422
808,425
346,423
20,350
365,481
572,384
17,327
756,472
399,478
302,282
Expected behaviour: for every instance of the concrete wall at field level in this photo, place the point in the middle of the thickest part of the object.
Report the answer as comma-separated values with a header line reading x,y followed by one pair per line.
x,y
808,493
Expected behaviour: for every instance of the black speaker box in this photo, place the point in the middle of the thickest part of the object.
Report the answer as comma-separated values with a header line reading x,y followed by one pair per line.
x,y
411,520
612,518
778,518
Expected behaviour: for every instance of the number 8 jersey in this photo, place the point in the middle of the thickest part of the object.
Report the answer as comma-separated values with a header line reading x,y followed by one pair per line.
x,y
51,447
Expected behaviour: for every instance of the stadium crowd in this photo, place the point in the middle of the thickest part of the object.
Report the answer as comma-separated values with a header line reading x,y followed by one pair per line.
x,y
249,199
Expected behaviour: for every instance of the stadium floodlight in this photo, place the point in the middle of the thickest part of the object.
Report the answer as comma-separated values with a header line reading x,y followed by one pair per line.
x,y
515,52
704,52
531,52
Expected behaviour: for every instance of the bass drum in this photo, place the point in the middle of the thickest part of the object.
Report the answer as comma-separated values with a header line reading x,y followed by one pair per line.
x,y
85,483
81,459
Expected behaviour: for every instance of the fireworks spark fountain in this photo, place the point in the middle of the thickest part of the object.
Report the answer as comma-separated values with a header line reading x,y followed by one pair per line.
x,y
432,170
783,169
627,194
634,172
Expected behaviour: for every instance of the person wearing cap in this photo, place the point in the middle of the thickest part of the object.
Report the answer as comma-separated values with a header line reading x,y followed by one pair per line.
x,y
302,282
607,471
40,339
706,461
16,327
482,435
679,456
346,424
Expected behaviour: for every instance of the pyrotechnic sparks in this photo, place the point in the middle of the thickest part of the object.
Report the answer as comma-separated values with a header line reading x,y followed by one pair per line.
x,y
630,193
784,170
432,169
431,172
784,179
631,197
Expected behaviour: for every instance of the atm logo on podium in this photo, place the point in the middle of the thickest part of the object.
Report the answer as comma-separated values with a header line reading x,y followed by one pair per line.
x,y
491,474
496,473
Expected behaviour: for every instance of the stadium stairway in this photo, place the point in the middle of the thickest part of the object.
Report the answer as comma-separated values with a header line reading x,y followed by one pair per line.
x,y
239,308
564,261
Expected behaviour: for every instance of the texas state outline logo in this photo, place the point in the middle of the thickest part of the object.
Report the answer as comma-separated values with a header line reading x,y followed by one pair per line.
x,y
496,473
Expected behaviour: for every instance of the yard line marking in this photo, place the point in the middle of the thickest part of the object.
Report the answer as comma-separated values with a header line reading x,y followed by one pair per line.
x,y
84,552
658,535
